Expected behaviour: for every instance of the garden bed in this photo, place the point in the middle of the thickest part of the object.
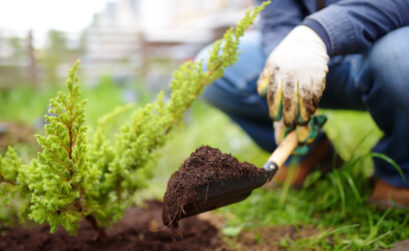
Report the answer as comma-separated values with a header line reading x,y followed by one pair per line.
x,y
139,229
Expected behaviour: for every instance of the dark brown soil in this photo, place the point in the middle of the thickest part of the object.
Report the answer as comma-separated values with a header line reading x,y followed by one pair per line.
x,y
203,166
140,229
272,238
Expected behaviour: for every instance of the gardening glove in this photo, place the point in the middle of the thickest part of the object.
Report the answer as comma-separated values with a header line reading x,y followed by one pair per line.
x,y
305,133
294,79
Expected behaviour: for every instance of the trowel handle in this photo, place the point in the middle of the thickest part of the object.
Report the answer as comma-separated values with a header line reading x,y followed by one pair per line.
x,y
282,152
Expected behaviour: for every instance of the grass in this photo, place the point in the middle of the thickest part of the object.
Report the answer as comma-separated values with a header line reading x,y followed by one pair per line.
x,y
336,203
23,104
28,105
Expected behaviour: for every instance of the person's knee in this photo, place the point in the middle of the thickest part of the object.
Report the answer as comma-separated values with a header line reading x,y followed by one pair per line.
x,y
388,62
391,49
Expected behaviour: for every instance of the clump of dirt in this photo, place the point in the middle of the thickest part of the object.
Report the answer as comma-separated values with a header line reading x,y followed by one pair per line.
x,y
139,229
203,166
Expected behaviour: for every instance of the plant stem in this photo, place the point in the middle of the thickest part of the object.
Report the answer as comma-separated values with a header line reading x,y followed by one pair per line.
x,y
3,180
102,236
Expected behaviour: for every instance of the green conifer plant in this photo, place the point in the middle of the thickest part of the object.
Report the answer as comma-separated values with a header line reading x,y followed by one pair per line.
x,y
82,175
14,193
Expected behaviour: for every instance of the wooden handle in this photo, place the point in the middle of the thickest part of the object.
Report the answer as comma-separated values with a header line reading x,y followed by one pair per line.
x,y
284,150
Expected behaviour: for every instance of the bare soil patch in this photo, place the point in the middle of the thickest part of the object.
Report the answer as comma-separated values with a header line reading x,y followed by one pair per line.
x,y
272,238
140,229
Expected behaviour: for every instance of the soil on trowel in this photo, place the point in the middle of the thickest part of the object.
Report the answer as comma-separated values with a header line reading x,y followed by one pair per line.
x,y
139,229
203,166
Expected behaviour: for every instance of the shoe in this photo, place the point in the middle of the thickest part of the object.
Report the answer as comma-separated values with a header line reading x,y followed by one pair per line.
x,y
320,157
386,196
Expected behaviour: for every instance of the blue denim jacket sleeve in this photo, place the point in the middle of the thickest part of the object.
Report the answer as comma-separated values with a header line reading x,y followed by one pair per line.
x,y
277,20
352,26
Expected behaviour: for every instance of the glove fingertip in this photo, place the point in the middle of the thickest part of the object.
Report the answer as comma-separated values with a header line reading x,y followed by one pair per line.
x,y
263,92
278,115
289,120
301,150
301,134
302,118
263,82
321,119
276,109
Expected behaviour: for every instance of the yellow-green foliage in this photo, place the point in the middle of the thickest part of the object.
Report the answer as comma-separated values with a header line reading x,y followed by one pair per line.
x,y
62,180
14,194
87,176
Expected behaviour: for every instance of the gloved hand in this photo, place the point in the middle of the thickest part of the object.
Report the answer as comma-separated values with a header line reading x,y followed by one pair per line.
x,y
305,133
294,79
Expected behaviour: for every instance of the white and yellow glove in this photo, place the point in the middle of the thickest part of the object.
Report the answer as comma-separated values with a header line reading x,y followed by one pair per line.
x,y
294,80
